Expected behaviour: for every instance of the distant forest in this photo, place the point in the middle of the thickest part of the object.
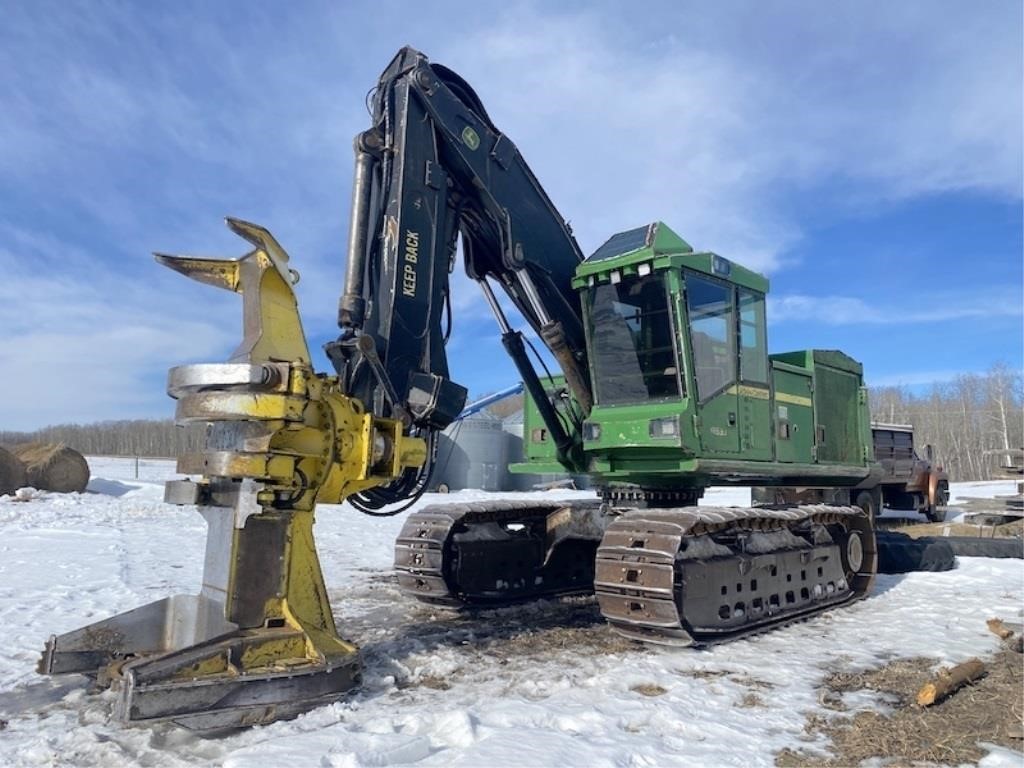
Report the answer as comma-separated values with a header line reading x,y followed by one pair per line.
x,y
969,421
138,437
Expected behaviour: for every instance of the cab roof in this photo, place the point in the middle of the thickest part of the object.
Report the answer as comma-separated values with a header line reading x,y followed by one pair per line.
x,y
656,244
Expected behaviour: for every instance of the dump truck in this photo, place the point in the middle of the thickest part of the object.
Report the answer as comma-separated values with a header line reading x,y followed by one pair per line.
x,y
667,388
909,482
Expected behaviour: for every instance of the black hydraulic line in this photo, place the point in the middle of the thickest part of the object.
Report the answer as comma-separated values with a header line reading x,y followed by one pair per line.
x,y
380,502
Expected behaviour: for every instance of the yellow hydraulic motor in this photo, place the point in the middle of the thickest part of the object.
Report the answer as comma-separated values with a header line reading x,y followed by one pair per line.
x,y
258,643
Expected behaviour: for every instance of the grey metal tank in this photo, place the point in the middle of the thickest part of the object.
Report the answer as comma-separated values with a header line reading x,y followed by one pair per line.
x,y
472,453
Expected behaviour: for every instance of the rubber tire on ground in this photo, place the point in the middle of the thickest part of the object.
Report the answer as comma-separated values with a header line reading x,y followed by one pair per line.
x,y
936,514
442,488
972,546
899,553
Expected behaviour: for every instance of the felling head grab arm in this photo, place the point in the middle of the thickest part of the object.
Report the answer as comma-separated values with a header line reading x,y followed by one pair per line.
x,y
258,642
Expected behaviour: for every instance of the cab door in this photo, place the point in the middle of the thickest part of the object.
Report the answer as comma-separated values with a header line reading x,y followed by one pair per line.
x,y
755,410
710,309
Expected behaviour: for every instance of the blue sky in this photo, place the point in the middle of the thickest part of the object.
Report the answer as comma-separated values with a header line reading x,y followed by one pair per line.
x,y
866,156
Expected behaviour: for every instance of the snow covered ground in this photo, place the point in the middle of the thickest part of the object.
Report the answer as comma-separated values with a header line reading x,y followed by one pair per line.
x,y
540,684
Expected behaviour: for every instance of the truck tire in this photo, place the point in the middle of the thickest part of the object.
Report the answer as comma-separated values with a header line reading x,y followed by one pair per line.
x,y
899,553
937,513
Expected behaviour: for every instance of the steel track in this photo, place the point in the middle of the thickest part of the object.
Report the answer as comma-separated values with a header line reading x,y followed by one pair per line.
x,y
653,580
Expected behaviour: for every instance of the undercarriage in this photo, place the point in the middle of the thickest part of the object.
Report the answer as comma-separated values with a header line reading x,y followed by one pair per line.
x,y
488,553
681,576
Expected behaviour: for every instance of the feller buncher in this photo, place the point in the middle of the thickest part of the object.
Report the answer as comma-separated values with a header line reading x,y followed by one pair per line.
x,y
665,388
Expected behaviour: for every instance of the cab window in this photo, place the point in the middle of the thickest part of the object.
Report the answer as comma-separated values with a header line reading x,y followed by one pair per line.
x,y
712,334
632,340
753,349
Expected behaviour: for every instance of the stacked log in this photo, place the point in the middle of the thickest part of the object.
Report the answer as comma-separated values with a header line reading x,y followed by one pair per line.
x,y
53,467
12,472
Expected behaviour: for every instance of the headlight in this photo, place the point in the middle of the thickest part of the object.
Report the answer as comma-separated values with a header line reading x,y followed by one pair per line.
x,y
666,427
591,431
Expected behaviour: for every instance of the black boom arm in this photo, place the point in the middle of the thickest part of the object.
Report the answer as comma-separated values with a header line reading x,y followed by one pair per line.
x,y
433,167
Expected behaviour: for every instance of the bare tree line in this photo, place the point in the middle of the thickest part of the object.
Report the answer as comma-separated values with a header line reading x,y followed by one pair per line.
x,y
969,421
138,437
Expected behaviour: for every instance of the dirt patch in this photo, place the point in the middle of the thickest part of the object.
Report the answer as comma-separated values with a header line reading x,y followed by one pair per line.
x,y
752,682
751,700
948,733
583,632
649,689
899,677
514,638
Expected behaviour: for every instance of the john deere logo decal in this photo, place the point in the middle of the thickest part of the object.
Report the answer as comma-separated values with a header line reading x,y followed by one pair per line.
x,y
470,138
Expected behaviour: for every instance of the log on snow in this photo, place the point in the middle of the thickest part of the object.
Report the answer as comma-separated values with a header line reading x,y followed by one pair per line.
x,y
12,472
53,467
948,681
999,629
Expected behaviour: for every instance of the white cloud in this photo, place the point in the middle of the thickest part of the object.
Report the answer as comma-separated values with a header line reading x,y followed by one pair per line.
x,y
712,131
848,310
82,345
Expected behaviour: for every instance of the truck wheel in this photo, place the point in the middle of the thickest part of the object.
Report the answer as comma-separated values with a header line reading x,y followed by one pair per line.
x,y
937,513
870,501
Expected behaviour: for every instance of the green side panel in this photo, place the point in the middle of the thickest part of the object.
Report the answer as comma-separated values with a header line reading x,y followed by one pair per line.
x,y
536,468
808,358
667,241
836,398
755,424
794,416
833,358
803,358
538,446
718,424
